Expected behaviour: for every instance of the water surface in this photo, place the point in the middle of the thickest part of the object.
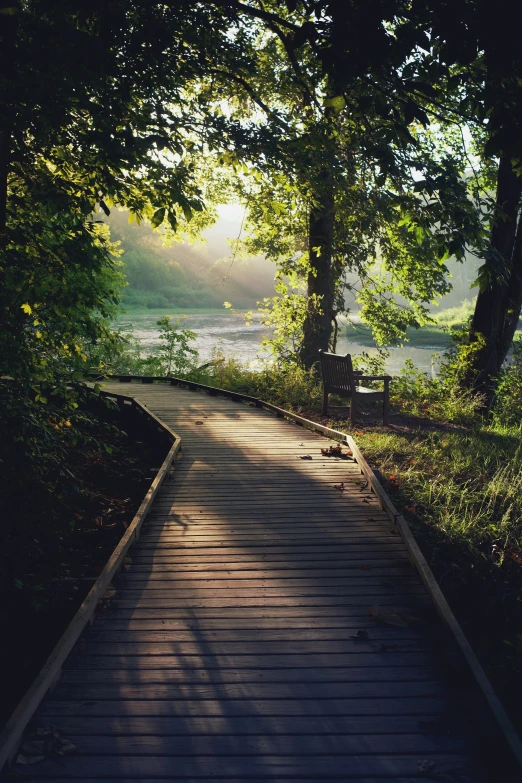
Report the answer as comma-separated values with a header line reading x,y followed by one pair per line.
x,y
228,333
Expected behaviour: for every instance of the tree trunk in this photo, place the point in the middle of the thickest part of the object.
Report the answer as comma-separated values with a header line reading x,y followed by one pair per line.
x,y
318,324
497,309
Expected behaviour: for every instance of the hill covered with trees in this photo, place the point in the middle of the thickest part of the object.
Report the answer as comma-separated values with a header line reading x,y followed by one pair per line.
x,y
180,275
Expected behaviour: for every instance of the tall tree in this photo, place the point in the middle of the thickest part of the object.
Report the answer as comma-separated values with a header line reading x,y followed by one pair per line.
x,y
482,52
499,104
344,90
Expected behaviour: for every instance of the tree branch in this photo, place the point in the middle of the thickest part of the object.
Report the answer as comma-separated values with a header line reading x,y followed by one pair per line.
x,y
258,13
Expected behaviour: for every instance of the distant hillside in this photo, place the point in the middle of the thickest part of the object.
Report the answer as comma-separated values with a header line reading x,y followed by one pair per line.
x,y
183,276
186,276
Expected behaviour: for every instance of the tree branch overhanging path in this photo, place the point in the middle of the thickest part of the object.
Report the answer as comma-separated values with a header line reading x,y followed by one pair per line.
x,y
348,114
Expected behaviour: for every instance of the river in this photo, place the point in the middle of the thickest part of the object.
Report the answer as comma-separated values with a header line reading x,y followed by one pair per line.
x,y
229,333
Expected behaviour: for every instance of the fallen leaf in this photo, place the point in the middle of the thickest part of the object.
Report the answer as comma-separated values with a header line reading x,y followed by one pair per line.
x,y
45,743
336,451
360,636
388,617
22,758
198,422
305,456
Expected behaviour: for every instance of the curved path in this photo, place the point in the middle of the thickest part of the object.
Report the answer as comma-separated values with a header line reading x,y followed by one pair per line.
x,y
237,644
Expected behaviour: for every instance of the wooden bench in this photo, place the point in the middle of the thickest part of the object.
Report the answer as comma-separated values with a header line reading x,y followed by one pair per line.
x,y
340,377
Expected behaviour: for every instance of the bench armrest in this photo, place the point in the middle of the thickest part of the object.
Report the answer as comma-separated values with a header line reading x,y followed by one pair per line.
x,y
374,378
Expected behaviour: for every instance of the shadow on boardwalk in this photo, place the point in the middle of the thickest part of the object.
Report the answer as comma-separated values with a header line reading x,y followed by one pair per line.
x,y
237,645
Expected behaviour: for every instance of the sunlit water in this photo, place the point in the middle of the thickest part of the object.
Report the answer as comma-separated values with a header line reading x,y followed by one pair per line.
x,y
228,333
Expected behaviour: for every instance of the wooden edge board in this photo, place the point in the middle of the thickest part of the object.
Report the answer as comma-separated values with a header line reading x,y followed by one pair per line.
x,y
12,733
417,558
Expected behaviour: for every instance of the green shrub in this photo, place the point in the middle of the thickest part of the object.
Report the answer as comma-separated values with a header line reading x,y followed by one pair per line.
x,y
507,410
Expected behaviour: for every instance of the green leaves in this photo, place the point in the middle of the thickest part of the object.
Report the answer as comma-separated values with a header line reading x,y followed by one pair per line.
x,y
337,103
158,217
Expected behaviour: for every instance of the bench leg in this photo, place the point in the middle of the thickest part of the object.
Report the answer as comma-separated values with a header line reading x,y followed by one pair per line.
x,y
325,402
386,405
353,409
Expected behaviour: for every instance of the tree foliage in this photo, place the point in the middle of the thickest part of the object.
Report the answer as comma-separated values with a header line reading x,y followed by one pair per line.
x,y
345,119
353,175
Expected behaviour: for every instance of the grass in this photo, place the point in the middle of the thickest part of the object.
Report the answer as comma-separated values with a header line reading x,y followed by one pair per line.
x,y
461,492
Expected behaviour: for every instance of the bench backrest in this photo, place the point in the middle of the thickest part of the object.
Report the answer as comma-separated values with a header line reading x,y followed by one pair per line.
x,y
337,370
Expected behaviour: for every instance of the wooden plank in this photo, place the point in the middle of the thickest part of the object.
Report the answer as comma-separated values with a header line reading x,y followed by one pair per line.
x,y
258,647
260,538
371,595
354,611
336,557
347,767
367,520
310,568
270,626
154,573
252,707
265,601
213,779
321,691
320,725
223,676
269,744
109,634
200,660
364,579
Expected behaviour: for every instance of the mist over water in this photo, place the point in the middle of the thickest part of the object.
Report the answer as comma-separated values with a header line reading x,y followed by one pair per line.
x,y
228,333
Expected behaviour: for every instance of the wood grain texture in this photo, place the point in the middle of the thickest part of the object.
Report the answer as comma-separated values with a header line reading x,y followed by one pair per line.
x,y
237,644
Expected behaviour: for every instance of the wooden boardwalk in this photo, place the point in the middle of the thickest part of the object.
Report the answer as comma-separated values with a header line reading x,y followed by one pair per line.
x,y
237,644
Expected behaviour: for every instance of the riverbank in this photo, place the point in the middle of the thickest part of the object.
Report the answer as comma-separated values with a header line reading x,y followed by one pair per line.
x,y
228,333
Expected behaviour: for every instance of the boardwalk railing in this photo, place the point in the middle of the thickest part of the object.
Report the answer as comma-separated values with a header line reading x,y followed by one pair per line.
x,y
11,735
